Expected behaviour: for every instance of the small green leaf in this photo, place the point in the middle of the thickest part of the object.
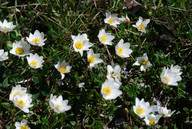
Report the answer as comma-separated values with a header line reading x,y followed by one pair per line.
x,y
6,105
45,121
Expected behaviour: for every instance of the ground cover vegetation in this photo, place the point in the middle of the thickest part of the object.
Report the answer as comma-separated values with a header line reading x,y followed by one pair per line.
x,y
95,64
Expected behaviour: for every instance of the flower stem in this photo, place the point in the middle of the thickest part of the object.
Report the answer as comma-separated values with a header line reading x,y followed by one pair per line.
x,y
164,122
132,57
2,41
99,106
109,55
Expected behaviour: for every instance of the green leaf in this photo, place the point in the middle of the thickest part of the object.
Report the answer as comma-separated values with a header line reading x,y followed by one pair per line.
x,y
5,82
15,78
35,96
45,121
6,105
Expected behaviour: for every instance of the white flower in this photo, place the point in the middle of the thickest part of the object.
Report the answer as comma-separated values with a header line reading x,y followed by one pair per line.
x,y
81,84
36,39
3,55
152,119
17,90
93,59
141,25
6,26
20,48
176,69
110,90
58,104
123,49
63,67
35,61
22,125
169,78
141,108
112,19
125,19
165,112
144,62
81,43
105,38
23,102
113,73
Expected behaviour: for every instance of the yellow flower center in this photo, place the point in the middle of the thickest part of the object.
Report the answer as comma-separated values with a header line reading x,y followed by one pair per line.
x,y
107,90
112,75
139,111
5,27
104,38
79,45
140,27
19,50
36,40
62,69
24,127
91,59
127,20
17,93
151,122
57,105
21,103
144,62
167,79
111,21
120,51
34,63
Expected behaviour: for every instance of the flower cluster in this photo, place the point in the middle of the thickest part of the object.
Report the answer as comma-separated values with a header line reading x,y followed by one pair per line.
x,y
113,20
144,110
21,98
110,88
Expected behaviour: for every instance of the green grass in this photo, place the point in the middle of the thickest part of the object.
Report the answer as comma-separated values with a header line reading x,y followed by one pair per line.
x,y
167,41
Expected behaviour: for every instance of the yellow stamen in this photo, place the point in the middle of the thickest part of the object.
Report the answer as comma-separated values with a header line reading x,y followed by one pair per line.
x,y
5,27
62,69
104,38
167,79
120,51
19,50
111,21
144,62
17,93
91,59
151,122
140,27
127,20
21,103
79,45
57,105
107,90
34,63
139,110
36,40
24,127
112,75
